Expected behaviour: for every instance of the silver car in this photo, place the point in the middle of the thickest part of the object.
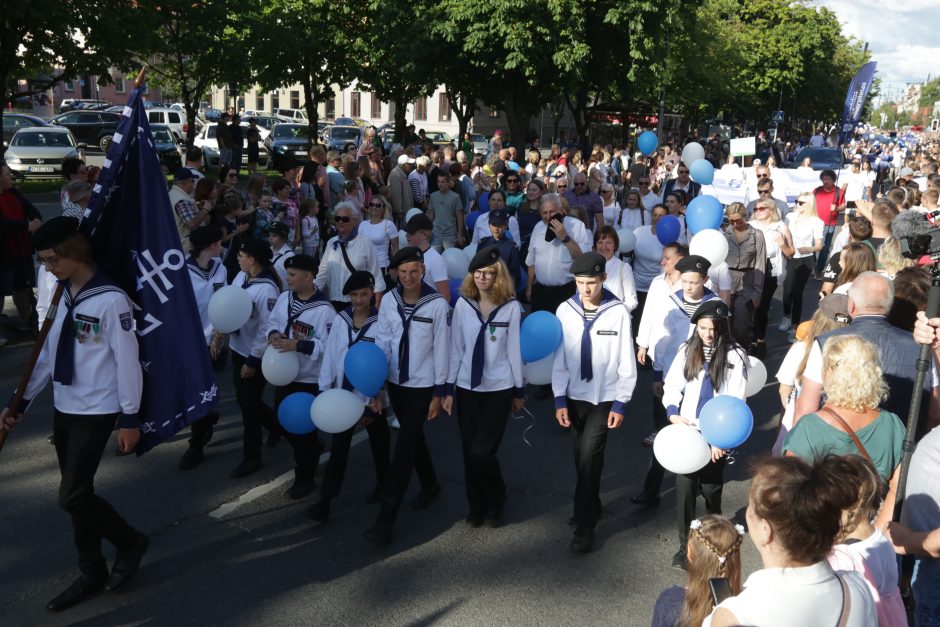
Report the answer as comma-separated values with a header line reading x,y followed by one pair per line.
x,y
38,151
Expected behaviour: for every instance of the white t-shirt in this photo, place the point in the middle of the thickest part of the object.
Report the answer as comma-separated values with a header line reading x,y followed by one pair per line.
x,y
855,183
805,231
651,200
647,256
786,375
435,268
719,278
778,261
380,235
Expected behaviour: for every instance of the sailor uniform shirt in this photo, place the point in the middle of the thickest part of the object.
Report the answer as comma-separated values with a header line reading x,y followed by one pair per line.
x,y
281,255
416,339
104,375
682,397
250,340
206,282
343,335
485,354
595,361
334,272
308,322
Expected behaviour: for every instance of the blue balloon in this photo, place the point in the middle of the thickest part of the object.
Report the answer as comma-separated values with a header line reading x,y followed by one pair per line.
x,y
726,422
294,413
483,202
702,171
366,367
703,213
668,229
455,291
471,219
647,142
539,335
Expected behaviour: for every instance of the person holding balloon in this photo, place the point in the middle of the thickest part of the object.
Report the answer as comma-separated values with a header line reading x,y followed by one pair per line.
x,y
485,378
619,279
414,332
676,204
593,378
709,364
354,325
297,329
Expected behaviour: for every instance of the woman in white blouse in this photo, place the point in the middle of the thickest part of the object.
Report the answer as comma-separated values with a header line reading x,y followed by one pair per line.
x,y
779,246
806,231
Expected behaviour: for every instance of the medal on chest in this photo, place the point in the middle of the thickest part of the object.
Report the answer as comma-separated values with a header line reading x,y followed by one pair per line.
x,y
492,332
301,331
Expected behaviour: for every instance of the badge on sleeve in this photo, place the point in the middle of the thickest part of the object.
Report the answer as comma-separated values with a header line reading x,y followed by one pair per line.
x,y
271,303
127,321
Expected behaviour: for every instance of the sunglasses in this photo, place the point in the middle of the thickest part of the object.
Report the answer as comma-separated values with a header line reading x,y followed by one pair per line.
x,y
683,171
512,180
376,205
738,221
763,176
764,191
561,186
761,208
342,219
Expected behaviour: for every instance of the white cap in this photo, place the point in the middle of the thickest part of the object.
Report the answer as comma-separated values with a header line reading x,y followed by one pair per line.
x,y
403,159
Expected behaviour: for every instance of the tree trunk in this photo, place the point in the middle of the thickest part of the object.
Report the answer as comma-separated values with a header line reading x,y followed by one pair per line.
x,y
400,122
311,104
463,108
517,116
5,98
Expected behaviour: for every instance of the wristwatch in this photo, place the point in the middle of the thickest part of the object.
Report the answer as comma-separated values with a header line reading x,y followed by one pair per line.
x,y
566,239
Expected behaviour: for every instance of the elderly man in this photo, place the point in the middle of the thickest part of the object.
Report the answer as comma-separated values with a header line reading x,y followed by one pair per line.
x,y
556,241
765,189
188,215
682,183
870,300
579,194
344,254
418,179
400,188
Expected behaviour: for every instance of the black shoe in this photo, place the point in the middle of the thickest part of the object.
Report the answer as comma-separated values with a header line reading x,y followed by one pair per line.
x,y
375,495
81,589
424,498
191,458
318,513
126,563
583,540
474,520
273,438
299,489
379,534
646,499
245,468
494,519
680,561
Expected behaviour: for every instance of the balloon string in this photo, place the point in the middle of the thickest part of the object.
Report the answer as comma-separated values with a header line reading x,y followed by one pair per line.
x,y
521,416
730,457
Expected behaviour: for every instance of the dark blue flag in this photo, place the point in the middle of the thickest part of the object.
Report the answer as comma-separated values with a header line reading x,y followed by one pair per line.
x,y
134,238
855,100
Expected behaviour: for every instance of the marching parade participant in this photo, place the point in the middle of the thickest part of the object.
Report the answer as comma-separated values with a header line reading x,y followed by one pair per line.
x,y
207,274
414,332
281,251
300,322
354,324
420,230
593,378
91,355
345,253
486,370
247,344
709,364
619,280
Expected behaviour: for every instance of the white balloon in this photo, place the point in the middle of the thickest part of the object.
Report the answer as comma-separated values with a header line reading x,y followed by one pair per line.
x,y
402,238
229,309
756,377
692,153
539,372
279,368
412,213
470,250
457,263
681,449
336,410
627,240
710,244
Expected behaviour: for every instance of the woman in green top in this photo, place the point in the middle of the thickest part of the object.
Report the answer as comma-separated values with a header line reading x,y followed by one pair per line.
x,y
467,145
854,386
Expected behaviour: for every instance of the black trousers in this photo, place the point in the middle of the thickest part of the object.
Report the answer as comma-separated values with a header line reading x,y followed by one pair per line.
x,y
411,450
255,413
637,314
339,456
654,476
709,482
482,418
306,456
589,426
201,430
80,441
798,273
550,297
762,313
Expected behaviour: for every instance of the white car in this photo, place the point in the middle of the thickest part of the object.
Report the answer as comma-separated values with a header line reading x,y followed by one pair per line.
x,y
173,118
38,151
210,147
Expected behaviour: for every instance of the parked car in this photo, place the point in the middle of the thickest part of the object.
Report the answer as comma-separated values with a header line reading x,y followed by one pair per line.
x,y
74,104
167,144
38,151
265,120
288,141
480,143
210,148
440,138
336,137
154,105
822,158
387,135
176,120
13,122
344,122
291,115
94,128
212,115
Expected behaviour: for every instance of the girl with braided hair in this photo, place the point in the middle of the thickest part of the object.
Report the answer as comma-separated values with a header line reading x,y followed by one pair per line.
x,y
714,551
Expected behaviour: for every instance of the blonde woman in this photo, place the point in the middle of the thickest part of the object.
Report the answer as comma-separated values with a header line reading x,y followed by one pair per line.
x,y
890,259
779,246
806,231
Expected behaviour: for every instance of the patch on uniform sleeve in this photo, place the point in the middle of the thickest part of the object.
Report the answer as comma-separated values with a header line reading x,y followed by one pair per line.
x,y
450,317
271,303
127,321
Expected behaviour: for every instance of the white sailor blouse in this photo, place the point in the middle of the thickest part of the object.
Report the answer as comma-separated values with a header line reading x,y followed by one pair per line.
x,y
206,282
686,398
485,355
307,321
251,340
342,336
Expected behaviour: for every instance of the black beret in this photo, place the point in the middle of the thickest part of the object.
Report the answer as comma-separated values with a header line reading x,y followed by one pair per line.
x,y
714,308
406,255
499,217
486,257
589,264
53,232
279,228
419,222
301,262
693,263
257,249
205,235
358,280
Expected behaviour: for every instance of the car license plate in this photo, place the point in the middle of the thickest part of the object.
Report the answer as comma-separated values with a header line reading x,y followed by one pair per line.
x,y
41,168
300,153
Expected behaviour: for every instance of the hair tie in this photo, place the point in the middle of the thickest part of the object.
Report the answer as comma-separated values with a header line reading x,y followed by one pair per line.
x,y
721,559
695,524
739,529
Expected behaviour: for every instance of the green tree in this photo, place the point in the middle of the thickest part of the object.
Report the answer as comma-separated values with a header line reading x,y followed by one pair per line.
x,y
929,94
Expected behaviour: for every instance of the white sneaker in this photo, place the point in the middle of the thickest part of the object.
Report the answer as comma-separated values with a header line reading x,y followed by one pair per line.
x,y
785,324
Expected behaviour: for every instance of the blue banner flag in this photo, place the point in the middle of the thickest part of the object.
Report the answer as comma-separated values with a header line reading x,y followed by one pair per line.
x,y
855,100
134,237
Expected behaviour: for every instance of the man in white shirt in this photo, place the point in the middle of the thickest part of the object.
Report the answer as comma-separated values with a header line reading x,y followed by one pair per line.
x,y
765,189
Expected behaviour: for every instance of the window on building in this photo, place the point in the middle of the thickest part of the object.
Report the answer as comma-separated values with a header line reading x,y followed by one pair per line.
x,y
494,113
331,108
275,101
443,108
421,109
259,102
355,109
294,99
119,85
376,106
69,85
